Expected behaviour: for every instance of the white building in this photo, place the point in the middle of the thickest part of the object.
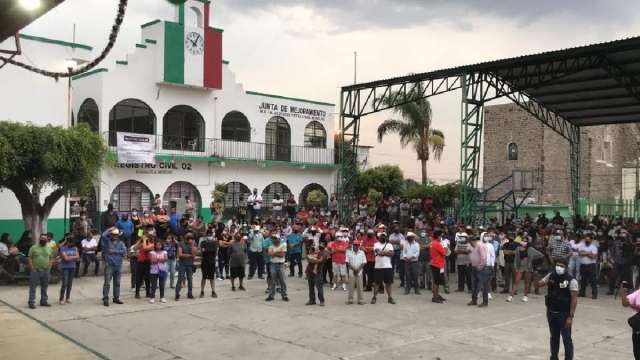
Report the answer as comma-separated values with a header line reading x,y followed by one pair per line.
x,y
207,128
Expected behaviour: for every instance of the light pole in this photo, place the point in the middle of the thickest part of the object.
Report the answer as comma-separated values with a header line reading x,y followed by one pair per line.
x,y
71,65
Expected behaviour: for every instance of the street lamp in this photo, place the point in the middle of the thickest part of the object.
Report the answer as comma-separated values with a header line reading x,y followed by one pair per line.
x,y
71,65
30,4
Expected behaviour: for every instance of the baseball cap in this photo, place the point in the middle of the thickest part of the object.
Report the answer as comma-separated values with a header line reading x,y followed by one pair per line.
x,y
356,242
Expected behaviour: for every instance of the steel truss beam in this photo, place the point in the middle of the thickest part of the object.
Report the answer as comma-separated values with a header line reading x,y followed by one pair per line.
x,y
527,76
621,76
365,101
561,126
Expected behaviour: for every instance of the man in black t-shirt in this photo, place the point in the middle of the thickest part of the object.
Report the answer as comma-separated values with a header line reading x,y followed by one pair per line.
x,y
291,207
509,250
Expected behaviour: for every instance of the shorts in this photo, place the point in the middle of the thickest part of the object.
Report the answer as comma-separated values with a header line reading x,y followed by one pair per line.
x,y
208,271
339,269
383,276
237,272
438,277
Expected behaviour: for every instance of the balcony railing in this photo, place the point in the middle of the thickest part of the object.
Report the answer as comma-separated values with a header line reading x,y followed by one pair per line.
x,y
229,149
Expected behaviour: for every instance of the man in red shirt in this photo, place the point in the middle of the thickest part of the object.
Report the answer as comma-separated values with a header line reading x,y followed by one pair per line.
x,y
339,259
367,246
437,265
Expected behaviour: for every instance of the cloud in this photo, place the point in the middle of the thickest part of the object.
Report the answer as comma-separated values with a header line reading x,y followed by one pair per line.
x,y
349,15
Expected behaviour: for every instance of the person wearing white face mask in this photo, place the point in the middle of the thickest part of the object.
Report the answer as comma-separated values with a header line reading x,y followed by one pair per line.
x,y
561,302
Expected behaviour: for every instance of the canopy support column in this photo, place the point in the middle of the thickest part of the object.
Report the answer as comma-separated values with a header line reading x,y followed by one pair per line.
x,y
348,153
474,93
574,144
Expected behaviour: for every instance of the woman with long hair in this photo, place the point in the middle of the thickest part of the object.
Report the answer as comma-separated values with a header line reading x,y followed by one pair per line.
x,y
158,270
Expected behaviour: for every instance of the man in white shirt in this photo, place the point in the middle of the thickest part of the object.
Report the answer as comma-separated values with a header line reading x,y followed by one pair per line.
x,y
383,270
276,205
588,254
356,260
487,241
89,247
255,200
277,254
410,254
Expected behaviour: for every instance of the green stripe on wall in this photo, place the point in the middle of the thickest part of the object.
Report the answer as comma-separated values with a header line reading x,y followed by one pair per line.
x,y
181,14
173,53
15,228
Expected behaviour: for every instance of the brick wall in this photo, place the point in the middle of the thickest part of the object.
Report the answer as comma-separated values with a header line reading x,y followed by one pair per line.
x,y
546,153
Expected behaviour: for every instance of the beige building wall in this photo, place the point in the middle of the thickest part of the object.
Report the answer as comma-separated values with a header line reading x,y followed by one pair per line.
x,y
605,150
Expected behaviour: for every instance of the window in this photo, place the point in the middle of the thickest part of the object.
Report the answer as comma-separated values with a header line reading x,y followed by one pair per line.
x,y
183,129
132,116
89,114
303,201
180,189
522,180
315,136
237,194
278,139
269,194
131,194
236,127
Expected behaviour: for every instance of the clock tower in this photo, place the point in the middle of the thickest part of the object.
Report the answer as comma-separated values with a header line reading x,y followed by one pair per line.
x,y
192,51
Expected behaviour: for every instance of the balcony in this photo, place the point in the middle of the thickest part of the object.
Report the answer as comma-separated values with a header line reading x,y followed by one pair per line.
x,y
234,150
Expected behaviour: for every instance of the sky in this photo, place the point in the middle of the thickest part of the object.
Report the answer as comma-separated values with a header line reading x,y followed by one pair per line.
x,y
305,48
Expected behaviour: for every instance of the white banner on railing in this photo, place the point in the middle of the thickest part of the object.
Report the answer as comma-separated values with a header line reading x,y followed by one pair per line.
x,y
136,148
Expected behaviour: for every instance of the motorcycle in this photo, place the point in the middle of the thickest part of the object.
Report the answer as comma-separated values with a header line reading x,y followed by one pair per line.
x,y
13,270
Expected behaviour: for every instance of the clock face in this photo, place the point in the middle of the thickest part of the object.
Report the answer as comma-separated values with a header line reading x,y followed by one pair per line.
x,y
194,43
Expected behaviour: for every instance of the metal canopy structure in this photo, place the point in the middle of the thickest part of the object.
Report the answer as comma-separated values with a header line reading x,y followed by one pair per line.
x,y
565,89
14,17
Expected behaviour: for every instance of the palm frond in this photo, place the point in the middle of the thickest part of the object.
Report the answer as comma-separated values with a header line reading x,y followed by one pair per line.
x,y
390,126
436,143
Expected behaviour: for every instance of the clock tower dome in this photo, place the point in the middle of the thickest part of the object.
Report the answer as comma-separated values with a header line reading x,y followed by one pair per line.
x,y
192,52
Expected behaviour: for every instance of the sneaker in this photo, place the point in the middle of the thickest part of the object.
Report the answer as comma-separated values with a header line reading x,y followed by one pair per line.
x,y
214,295
525,298
473,303
510,298
344,287
335,286
436,300
201,294
483,305
350,302
105,303
117,301
162,300
391,301
220,279
441,298
241,288
321,304
489,296
373,300
152,301
177,298
285,299
133,289
310,302
45,304
269,299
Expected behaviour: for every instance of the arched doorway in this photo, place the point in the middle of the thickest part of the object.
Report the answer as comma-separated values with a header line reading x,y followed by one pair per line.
x,y
180,189
237,194
236,127
131,194
278,139
183,129
315,136
270,192
133,116
305,193
89,114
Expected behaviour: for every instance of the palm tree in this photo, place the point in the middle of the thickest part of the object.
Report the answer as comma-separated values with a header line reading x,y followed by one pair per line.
x,y
414,127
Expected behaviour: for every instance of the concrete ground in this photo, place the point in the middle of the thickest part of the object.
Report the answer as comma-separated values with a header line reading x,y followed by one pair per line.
x,y
241,325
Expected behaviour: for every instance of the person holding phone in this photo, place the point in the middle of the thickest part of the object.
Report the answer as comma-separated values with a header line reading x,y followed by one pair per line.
x,y
632,301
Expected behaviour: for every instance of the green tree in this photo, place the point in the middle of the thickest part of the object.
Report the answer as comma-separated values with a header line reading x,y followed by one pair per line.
x,y
37,160
414,127
317,198
443,196
219,196
387,179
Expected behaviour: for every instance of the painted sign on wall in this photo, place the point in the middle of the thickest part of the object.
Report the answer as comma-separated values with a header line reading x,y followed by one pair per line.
x,y
292,111
136,148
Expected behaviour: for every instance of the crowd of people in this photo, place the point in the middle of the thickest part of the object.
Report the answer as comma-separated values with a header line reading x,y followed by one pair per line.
x,y
387,240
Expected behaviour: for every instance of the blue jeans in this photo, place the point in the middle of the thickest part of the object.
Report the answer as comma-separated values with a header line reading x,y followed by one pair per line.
x,y
479,278
588,275
315,282
38,278
155,279
574,267
88,259
111,272
277,272
67,282
395,260
558,326
171,269
182,271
